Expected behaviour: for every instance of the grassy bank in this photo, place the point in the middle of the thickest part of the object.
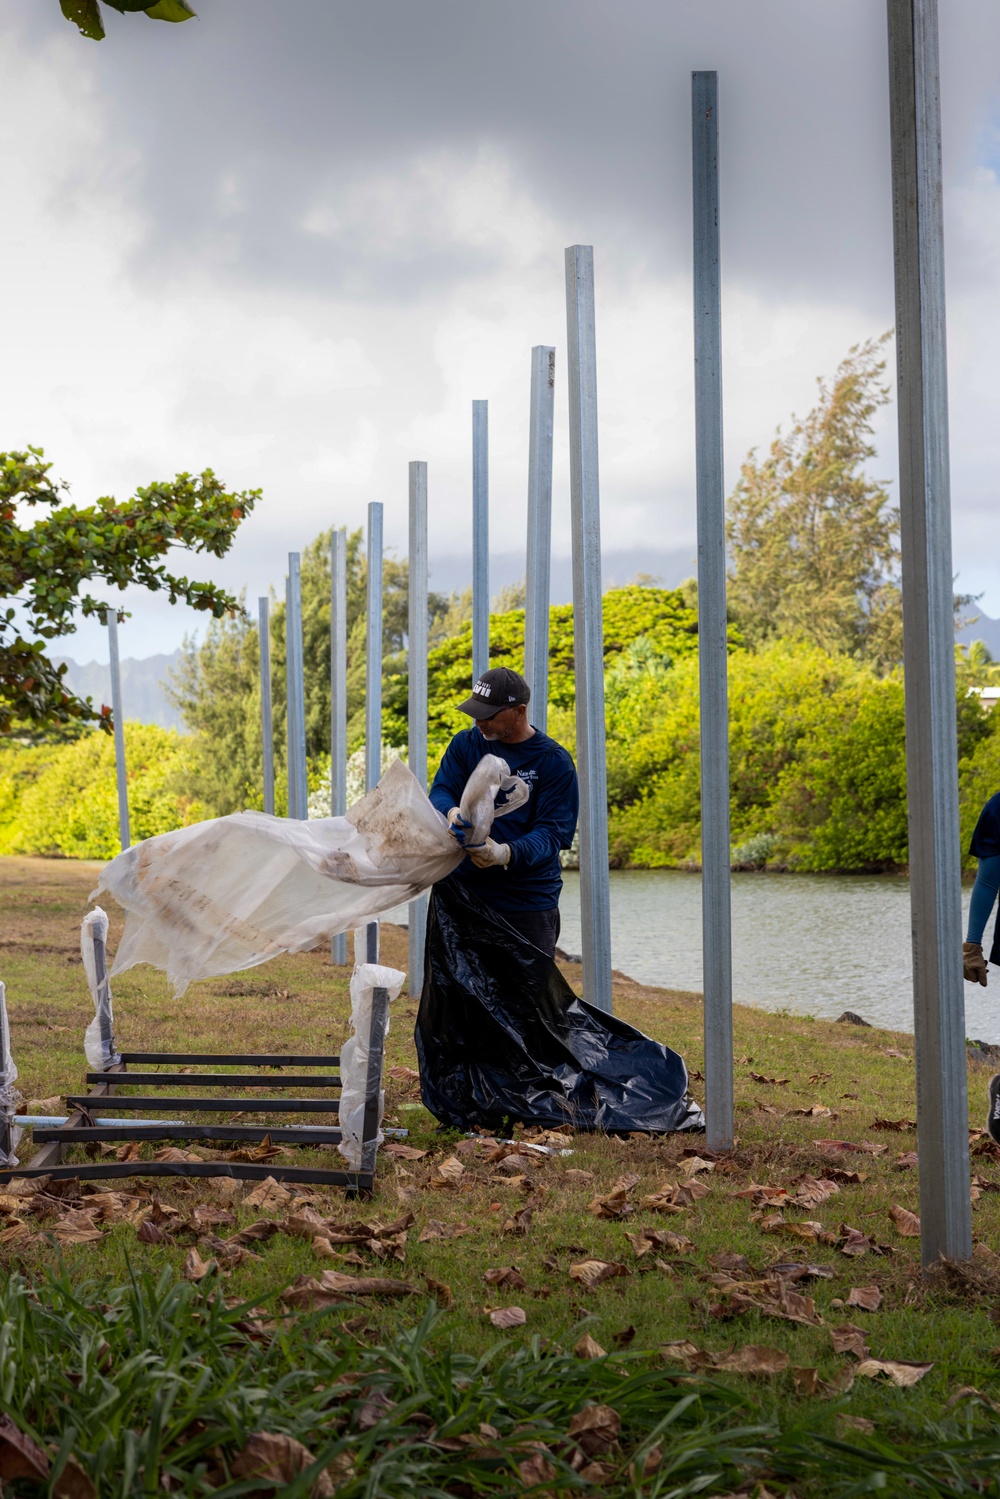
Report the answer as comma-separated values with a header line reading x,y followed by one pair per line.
x,y
681,1316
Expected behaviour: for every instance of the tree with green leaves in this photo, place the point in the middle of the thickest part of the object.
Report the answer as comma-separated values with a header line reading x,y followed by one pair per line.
x,y
813,539
50,550
86,14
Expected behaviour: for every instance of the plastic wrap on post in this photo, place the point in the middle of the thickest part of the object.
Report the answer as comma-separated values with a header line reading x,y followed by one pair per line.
x,y
9,1095
99,1039
354,1054
224,895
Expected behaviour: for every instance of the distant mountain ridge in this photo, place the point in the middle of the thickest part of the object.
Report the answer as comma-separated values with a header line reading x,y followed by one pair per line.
x,y
143,697
982,628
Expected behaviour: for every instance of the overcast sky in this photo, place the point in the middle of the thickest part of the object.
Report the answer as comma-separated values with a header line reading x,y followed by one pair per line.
x,y
294,241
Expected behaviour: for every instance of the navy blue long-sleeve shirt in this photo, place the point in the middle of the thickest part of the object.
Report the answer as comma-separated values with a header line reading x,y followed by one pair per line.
x,y
535,832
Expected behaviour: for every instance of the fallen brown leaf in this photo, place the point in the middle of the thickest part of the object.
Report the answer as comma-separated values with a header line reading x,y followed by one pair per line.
x,y
847,1424
695,1163
435,1229
174,1154
331,1287
403,1074
900,1371
849,1339
578,1178
536,1469
896,1125
907,1223
447,1175
519,1223
278,1459
506,1275
588,1348
195,1268
806,1381
74,1482
506,1316
771,1082
868,1298
403,1152
269,1194
442,1294
592,1273
20,1455
753,1359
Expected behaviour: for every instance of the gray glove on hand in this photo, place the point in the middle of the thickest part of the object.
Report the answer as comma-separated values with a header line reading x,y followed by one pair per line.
x,y
489,854
457,826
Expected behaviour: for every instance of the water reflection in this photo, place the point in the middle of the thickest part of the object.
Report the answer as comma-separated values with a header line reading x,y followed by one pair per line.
x,y
814,944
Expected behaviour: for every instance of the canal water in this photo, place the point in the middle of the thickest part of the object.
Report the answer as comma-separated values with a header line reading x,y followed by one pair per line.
x,y
812,944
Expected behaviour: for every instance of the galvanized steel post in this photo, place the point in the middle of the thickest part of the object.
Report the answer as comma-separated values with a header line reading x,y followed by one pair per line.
x,y
298,789
536,598
266,713
121,773
928,632
717,954
588,627
338,699
373,676
416,667
480,539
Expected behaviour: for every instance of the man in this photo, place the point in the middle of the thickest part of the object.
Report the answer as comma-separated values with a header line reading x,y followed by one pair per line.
x,y
519,878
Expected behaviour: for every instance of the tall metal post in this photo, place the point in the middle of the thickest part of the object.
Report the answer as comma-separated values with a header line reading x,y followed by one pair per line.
x,y
588,627
298,787
536,601
373,676
416,658
266,713
717,956
480,539
121,773
338,699
928,632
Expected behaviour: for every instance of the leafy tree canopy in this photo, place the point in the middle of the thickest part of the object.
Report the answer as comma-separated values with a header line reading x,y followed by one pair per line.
x,y
813,540
86,14
45,561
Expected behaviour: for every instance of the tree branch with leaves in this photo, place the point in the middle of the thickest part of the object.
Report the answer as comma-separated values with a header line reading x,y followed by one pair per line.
x,y
86,14
47,559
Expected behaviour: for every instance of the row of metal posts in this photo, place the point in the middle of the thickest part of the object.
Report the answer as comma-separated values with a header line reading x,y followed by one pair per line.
x,y
932,783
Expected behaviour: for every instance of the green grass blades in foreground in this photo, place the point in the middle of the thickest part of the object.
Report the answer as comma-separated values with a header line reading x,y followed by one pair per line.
x,y
156,1386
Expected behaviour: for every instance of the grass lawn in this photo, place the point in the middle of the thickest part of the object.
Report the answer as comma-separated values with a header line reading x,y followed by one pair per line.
x,y
721,1374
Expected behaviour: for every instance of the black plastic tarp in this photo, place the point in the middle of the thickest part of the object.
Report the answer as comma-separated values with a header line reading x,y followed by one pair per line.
x,y
502,1038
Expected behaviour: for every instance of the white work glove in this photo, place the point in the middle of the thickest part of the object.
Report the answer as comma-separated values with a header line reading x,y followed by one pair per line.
x,y
489,854
458,826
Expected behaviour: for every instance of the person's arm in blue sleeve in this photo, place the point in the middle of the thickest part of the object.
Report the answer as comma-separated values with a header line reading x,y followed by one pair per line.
x,y
449,783
557,809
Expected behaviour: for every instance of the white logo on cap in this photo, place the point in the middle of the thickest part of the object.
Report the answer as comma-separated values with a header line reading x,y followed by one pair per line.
x,y
483,689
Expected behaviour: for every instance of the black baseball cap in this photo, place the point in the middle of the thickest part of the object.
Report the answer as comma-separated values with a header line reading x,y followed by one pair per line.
x,y
496,689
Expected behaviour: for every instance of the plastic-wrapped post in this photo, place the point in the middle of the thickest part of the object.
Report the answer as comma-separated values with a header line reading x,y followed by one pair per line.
x,y
8,1093
712,630
416,656
266,715
588,627
99,1041
480,538
121,773
928,633
536,605
298,791
338,699
373,674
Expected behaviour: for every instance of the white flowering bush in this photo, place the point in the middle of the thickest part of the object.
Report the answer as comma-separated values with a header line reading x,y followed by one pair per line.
x,y
319,800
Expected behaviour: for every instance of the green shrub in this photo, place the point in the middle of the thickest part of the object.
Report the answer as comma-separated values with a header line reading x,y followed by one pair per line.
x,y
62,799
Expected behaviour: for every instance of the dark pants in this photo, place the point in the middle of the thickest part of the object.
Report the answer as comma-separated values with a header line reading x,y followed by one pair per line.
x,y
541,928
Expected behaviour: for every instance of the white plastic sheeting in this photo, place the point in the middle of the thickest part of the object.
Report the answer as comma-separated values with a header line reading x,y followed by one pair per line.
x,y
9,1095
227,894
354,1054
99,1037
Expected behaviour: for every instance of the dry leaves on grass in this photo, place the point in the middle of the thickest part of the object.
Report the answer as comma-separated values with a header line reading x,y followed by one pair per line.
x,y
435,1229
595,1429
442,1293
591,1273
278,1459
671,1198
895,1125
774,1299
868,1298
508,1276
770,1082
174,1155
403,1152
76,1228
588,1348
754,1359
691,1165
506,1317
616,1204
814,1111
907,1223
846,1338
906,1160
314,1293
851,1147
22,1457
577,1178
519,1223
659,1238
403,1074
269,1195
812,1191
195,1268
447,1175
900,1372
